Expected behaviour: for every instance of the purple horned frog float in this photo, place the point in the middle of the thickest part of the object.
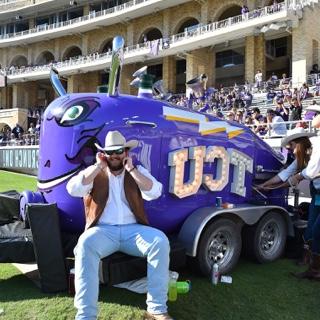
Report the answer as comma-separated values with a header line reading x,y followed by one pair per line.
x,y
197,157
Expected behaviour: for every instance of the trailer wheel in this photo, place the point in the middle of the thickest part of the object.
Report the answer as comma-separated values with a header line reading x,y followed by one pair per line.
x,y
220,243
267,239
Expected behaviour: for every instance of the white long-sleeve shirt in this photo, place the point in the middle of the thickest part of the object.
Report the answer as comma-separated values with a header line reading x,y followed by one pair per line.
x,y
311,169
117,210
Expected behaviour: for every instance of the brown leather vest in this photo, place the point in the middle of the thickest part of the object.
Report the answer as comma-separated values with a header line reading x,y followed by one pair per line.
x,y
95,202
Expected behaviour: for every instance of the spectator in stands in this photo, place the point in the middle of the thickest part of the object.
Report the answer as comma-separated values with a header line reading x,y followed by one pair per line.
x,y
304,92
230,116
247,98
248,122
315,69
244,10
280,108
275,6
295,111
316,89
278,100
247,86
17,130
32,128
271,95
274,78
239,117
287,95
12,141
276,125
258,79
262,128
256,115
269,85
38,125
284,81
295,94
3,140
20,140
218,114
314,73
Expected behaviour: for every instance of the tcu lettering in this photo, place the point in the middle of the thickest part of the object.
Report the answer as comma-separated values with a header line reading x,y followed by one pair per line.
x,y
197,156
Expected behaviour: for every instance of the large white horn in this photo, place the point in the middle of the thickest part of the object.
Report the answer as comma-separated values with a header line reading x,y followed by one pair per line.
x,y
135,82
140,72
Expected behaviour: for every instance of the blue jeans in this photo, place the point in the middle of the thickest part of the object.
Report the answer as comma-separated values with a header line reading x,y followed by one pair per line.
x,y
313,229
134,239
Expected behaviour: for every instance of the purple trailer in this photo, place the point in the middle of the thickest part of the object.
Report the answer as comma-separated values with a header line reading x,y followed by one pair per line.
x,y
196,156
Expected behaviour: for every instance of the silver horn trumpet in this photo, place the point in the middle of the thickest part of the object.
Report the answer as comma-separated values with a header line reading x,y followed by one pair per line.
x,y
159,91
116,65
56,83
198,85
137,76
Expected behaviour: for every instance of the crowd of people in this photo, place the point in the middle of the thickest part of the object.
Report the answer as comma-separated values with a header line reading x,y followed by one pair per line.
x,y
17,136
285,110
284,102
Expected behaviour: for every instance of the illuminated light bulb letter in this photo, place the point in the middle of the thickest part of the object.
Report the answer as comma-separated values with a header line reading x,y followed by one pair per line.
x,y
177,161
242,163
222,174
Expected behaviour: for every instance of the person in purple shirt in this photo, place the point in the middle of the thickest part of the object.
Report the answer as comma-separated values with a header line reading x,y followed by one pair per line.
x,y
312,111
270,95
247,98
244,9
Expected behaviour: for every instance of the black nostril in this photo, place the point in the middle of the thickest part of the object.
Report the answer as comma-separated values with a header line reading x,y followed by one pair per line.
x,y
48,164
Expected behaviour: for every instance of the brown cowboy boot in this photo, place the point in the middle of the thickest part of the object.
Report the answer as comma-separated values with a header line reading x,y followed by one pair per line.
x,y
313,272
315,267
306,254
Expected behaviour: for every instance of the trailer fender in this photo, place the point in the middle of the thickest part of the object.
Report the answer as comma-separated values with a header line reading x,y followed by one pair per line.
x,y
27,197
194,225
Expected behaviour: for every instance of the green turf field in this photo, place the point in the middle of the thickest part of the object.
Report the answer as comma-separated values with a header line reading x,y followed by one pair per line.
x,y
258,292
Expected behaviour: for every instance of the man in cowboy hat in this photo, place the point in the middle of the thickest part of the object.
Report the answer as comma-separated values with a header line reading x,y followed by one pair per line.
x,y
113,190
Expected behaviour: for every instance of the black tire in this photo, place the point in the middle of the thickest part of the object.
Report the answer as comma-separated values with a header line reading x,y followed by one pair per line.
x,y
220,243
266,240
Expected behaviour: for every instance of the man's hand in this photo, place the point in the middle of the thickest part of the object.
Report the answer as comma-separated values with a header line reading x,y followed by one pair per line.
x,y
101,160
127,163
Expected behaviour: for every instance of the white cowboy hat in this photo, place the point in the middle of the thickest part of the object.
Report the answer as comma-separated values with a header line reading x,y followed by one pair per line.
x,y
115,140
295,134
313,107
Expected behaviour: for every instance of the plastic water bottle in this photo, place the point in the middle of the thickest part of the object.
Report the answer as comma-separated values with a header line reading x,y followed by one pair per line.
x,y
215,274
183,286
172,291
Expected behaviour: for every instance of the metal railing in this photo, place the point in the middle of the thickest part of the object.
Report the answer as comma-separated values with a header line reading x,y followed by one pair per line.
x,y
62,24
257,13
14,4
163,42
306,124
